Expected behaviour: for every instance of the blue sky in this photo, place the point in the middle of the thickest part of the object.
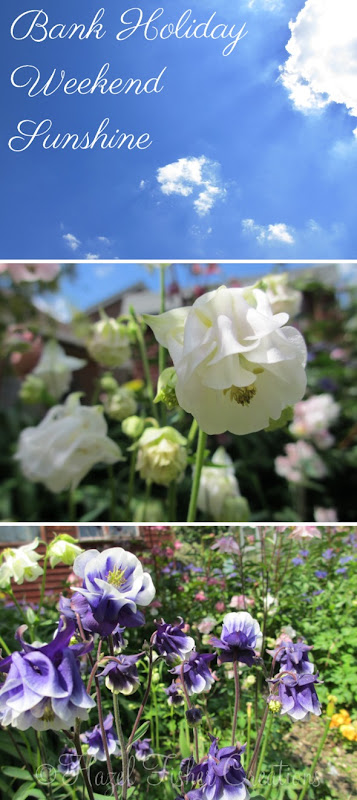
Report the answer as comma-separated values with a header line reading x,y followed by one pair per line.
x,y
96,282
250,158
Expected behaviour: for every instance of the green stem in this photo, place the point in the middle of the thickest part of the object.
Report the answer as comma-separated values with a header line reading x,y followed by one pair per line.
x,y
84,769
15,602
317,756
4,646
236,701
146,367
162,352
105,740
43,584
264,747
156,708
200,454
192,433
249,731
120,734
131,484
147,497
112,491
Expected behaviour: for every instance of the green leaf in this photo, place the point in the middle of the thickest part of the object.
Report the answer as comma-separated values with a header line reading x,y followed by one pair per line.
x,y
18,772
25,790
141,731
184,744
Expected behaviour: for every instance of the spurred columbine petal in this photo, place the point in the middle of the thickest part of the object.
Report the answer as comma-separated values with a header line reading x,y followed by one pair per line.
x,y
238,365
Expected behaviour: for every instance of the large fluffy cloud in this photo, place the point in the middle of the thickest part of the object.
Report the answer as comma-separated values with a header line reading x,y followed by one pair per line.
x,y
193,177
322,65
277,232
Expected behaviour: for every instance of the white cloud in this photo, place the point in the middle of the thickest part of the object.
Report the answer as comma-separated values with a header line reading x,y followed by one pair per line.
x,y
278,232
91,256
322,63
268,5
103,270
71,240
104,240
196,177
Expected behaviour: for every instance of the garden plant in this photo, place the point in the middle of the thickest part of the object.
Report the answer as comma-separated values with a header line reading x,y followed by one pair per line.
x,y
240,405
218,666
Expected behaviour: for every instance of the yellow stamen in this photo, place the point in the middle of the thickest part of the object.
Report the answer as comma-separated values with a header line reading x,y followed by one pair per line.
x,y
242,395
48,715
116,577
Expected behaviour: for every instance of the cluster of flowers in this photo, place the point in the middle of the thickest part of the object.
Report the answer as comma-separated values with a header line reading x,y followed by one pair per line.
x,y
44,689
345,725
237,366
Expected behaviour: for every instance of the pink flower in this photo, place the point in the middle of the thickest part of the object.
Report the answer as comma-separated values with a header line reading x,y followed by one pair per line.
x,y
241,601
206,625
177,545
300,462
200,596
220,606
30,272
305,532
156,604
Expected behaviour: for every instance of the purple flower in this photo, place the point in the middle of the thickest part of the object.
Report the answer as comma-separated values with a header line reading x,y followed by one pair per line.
x,y
43,688
93,738
304,553
194,716
328,554
240,635
186,766
346,559
174,694
226,544
220,776
114,583
121,676
68,762
297,694
196,672
293,656
320,573
297,561
341,571
142,749
317,592
170,641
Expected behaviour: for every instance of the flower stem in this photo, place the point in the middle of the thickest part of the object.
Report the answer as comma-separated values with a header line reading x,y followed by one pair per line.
x,y
143,704
200,454
251,768
189,705
162,352
236,701
249,730
120,734
317,756
84,770
105,741
146,367
172,501
192,433
264,747
43,584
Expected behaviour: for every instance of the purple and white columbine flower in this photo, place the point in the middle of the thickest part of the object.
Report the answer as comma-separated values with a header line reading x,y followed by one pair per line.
x,y
114,584
171,642
174,694
220,776
121,676
142,749
196,672
297,694
93,738
293,656
43,689
68,762
240,635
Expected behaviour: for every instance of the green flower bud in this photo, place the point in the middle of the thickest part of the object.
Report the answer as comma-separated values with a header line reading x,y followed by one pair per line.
x,y
120,405
166,388
32,390
108,383
109,343
275,706
133,427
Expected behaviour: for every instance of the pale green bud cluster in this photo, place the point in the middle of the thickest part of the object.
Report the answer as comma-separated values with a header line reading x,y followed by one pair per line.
x,y
162,456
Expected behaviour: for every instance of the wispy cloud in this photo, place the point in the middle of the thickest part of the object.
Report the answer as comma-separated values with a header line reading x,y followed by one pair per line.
x,y
322,63
92,256
104,240
266,5
277,232
71,240
197,178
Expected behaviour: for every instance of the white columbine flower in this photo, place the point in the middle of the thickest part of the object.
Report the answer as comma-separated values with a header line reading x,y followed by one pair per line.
x,y
281,296
63,550
65,445
109,343
238,366
55,369
20,564
217,484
